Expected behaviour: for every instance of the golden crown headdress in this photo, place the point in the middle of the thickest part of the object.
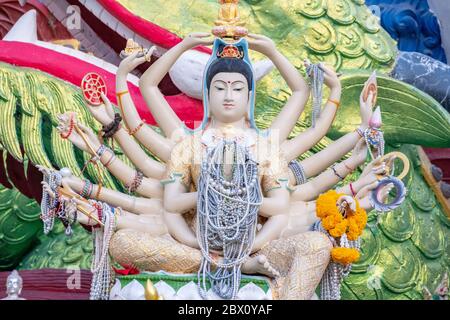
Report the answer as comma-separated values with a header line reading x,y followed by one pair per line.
x,y
230,51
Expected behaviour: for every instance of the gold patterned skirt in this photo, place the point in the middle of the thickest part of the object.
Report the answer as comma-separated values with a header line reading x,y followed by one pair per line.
x,y
301,259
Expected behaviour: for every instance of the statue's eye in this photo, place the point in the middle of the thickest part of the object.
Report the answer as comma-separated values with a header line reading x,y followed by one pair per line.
x,y
220,88
238,89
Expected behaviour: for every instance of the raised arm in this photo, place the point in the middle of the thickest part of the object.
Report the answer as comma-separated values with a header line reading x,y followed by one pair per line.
x,y
287,118
147,187
324,181
335,151
306,140
150,167
164,115
153,141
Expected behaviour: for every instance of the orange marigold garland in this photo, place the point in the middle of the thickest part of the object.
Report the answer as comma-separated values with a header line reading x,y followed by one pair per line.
x,y
333,221
346,229
345,255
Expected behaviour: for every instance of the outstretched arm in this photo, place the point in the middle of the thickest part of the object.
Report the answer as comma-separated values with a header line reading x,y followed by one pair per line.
x,y
148,187
324,181
164,115
150,221
287,118
150,167
114,198
331,154
153,141
323,159
306,140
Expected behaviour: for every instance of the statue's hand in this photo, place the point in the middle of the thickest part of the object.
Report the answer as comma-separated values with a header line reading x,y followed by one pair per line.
x,y
72,203
132,61
346,204
377,165
67,129
370,177
359,152
103,113
46,187
331,78
366,108
197,39
261,44
81,218
363,194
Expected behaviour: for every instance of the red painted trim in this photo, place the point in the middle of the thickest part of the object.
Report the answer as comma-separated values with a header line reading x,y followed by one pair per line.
x,y
72,70
437,153
146,29
440,157
48,27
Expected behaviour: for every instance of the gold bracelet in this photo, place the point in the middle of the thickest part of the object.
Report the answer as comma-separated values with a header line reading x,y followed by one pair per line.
x,y
135,130
120,94
336,103
99,189
119,99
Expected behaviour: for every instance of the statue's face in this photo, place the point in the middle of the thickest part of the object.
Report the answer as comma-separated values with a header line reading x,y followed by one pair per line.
x,y
228,97
13,286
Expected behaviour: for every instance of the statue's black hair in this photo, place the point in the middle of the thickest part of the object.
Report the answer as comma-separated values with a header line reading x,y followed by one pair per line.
x,y
232,65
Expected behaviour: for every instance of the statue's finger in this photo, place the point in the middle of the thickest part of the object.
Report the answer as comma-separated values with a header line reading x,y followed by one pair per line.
x,y
256,36
199,34
105,99
131,57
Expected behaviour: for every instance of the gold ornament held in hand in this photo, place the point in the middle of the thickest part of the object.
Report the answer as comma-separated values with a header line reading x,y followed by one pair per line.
x,y
131,48
229,24
394,155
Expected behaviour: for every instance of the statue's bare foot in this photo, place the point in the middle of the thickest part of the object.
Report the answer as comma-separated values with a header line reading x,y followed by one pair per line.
x,y
259,264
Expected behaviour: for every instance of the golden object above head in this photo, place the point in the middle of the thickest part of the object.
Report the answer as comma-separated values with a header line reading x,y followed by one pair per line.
x,y
229,24
131,48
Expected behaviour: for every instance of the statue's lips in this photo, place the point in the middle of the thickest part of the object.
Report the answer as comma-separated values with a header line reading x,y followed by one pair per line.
x,y
229,106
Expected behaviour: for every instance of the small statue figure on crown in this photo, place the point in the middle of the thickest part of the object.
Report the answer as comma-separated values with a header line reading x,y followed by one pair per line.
x,y
229,24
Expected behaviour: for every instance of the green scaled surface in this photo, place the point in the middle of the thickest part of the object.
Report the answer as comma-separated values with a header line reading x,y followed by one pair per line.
x,y
19,226
405,249
408,114
28,119
57,250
